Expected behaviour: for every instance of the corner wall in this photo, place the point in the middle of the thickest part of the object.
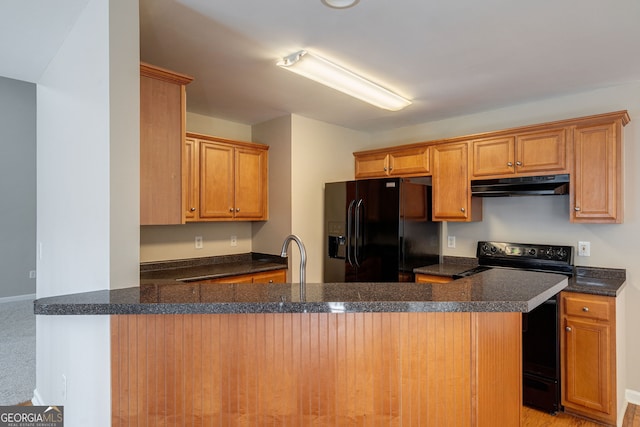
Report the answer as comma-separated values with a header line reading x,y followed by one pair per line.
x,y
88,198
17,188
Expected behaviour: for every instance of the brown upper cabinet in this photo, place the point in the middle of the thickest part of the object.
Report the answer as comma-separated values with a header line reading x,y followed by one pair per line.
x,y
410,161
224,180
532,153
588,148
452,199
162,130
596,185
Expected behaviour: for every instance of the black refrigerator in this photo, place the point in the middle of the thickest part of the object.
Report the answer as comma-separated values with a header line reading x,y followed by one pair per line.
x,y
379,230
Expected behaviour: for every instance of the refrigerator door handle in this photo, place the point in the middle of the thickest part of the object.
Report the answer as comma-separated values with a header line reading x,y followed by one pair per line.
x,y
349,232
358,231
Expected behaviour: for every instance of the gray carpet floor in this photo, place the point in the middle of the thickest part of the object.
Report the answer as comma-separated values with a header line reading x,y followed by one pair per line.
x,y
17,352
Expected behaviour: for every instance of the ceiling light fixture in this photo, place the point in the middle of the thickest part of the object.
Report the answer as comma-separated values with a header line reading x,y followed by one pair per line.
x,y
329,74
340,4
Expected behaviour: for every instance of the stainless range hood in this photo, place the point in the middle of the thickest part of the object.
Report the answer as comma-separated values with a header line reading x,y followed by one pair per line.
x,y
521,186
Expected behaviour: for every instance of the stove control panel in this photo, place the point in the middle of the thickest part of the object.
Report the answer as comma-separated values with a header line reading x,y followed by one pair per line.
x,y
525,251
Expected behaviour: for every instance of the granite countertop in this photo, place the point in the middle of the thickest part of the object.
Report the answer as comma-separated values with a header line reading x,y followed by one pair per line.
x,y
211,267
588,280
498,290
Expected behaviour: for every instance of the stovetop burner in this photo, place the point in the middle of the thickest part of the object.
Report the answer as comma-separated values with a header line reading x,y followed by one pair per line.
x,y
526,256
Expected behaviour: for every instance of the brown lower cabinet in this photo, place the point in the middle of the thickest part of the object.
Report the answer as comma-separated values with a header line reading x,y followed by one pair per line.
x,y
432,278
276,276
588,361
329,369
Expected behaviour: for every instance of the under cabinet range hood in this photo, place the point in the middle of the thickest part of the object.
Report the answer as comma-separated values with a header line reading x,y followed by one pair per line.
x,y
521,186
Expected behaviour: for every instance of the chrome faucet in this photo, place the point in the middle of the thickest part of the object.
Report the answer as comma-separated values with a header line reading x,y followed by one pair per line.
x,y
303,260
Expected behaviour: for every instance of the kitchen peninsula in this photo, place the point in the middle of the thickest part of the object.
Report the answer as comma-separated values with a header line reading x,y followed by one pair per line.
x,y
355,353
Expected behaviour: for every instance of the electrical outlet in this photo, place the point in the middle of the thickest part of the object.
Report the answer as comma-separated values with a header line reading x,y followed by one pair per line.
x,y
32,274
451,241
234,240
198,242
584,248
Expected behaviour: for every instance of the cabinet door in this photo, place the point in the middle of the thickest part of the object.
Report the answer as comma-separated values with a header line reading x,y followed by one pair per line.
x,y
597,185
541,152
161,136
432,278
250,184
215,162
588,355
588,365
494,156
189,180
409,162
372,165
451,191
278,276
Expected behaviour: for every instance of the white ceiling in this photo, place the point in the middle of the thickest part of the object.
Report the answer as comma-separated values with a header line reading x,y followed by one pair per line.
x,y
31,32
450,57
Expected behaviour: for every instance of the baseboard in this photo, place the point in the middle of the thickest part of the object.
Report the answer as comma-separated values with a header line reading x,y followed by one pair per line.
x,y
18,298
632,396
36,400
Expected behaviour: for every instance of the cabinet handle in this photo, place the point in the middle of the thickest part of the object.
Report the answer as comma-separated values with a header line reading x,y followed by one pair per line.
x,y
518,163
577,209
585,309
192,209
462,209
509,164
568,329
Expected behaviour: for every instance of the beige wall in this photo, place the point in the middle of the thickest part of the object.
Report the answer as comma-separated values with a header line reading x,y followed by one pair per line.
x,y
546,219
304,154
320,153
269,235
165,242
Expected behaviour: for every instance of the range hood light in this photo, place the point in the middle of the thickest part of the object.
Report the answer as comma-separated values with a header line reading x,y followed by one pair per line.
x,y
336,77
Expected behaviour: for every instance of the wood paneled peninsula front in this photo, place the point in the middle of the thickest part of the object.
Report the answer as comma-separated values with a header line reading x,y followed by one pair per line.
x,y
346,354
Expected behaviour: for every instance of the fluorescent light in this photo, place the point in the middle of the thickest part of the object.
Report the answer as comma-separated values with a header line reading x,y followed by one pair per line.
x,y
329,74
340,4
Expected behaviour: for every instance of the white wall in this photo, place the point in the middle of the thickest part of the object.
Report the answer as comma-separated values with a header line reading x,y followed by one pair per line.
x,y
87,213
546,220
17,187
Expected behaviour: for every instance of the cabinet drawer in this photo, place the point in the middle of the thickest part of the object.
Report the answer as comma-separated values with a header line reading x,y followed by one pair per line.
x,y
591,307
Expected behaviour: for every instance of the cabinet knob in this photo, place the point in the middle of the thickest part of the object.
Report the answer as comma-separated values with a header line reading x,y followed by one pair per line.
x,y
237,209
518,163
577,209
192,209
390,168
509,164
568,329
585,309
271,281
462,209
230,209
385,168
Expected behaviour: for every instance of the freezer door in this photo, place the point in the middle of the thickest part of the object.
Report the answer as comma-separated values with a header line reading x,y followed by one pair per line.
x,y
376,231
